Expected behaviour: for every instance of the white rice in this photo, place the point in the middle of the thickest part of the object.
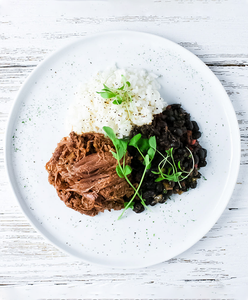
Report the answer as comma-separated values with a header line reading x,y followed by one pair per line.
x,y
90,112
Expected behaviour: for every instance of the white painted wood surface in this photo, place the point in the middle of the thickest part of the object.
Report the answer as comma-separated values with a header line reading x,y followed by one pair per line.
x,y
217,266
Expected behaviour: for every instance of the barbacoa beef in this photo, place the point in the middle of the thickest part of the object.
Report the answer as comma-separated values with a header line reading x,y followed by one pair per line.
x,y
82,169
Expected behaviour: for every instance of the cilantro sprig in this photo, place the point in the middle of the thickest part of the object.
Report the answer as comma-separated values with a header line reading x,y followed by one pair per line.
x,y
174,172
119,95
147,150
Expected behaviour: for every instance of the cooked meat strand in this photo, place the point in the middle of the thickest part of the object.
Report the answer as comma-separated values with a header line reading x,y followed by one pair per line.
x,y
82,169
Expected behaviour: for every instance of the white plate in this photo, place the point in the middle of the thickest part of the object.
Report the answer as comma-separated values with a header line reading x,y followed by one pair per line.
x,y
36,125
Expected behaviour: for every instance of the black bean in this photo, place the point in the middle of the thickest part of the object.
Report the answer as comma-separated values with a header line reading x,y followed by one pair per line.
x,y
161,124
181,151
184,188
148,194
175,106
196,135
202,164
195,173
205,152
163,200
175,144
196,157
178,124
149,184
189,125
195,126
185,164
156,199
198,175
154,202
169,112
193,184
171,119
181,118
138,208
159,187
201,154
179,132
149,200
176,187
184,129
187,117
165,196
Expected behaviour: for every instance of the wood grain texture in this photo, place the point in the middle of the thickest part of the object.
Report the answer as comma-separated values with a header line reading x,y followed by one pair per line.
x,y
215,267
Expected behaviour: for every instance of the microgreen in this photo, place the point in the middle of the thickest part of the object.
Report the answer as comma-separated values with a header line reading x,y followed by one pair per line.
x,y
174,172
130,206
119,95
147,150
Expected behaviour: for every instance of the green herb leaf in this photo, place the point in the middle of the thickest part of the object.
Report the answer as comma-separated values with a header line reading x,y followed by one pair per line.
x,y
121,88
106,87
107,95
105,90
135,140
155,172
152,142
177,174
114,154
130,206
117,102
169,152
143,145
147,160
159,179
119,171
127,170
119,95
151,152
123,78
110,133
121,147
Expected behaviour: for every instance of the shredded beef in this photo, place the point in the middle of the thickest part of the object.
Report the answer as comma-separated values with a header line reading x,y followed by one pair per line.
x,y
82,169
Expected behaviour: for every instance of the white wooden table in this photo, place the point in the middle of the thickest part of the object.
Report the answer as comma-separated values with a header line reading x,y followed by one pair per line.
x,y
214,268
